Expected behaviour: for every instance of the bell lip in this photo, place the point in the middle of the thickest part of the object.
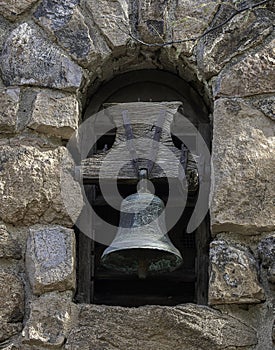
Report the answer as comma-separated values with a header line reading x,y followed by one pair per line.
x,y
174,253
177,259
113,249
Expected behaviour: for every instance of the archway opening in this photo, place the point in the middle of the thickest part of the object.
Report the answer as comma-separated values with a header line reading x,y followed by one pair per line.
x,y
189,283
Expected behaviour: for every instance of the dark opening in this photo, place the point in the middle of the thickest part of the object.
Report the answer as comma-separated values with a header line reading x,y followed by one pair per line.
x,y
189,282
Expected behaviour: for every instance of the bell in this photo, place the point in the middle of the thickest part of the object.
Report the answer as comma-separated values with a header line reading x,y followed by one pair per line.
x,y
141,244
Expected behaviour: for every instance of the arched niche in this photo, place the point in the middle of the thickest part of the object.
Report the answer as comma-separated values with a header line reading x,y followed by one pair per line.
x,y
188,284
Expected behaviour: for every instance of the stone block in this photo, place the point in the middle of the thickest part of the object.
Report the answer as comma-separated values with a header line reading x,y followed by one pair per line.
x,y
11,9
192,18
65,21
266,250
244,31
109,17
266,105
152,21
28,58
9,248
186,326
50,318
55,114
243,166
31,186
11,305
233,275
9,101
253,74
50,259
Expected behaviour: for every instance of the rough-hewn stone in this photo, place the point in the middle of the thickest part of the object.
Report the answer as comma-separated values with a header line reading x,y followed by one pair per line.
x,y
233,275
9,101
55,114
66,22
109,16
191,19
30,185
50,259
243,32
266,250
28,58
187,326
152,21
11,9
50,318
266,105
243,168
251,75
9,248
11,305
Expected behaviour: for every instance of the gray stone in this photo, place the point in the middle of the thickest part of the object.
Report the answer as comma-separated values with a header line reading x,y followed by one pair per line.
x,y
11,9
11,305
243,32
109,17
54,114
9,100
243,167
50,259
50,318
266,105
65,21
233,275
266,250
31,186
28,58
251,75
9,248
152,21
187,326
192,18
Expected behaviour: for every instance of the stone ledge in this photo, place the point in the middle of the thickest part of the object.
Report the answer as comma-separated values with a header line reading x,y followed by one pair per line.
x,y
187,326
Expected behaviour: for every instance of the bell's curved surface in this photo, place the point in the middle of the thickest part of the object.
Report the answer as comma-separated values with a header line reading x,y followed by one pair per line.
x,y
142,245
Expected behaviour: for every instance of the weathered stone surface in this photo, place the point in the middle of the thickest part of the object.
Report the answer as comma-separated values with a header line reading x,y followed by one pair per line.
x,y
50,259
9,101
243,168
50,318
187,326
11,9
233,275
55,114
28,58
65,21
152,21
109,16
10,346
9,248
11,305
243,32
266,105
266,250
191,19
30,185
253,74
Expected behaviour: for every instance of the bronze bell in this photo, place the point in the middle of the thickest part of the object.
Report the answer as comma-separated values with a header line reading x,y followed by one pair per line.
x,y
141,244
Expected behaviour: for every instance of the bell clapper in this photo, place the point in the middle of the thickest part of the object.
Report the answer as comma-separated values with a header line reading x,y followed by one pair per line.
x,y
143,265
143,176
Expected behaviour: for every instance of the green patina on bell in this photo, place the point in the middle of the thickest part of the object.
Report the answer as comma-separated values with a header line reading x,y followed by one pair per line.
x,y
142,245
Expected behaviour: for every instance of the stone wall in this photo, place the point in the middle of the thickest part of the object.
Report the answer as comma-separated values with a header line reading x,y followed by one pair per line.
x,y
54,55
